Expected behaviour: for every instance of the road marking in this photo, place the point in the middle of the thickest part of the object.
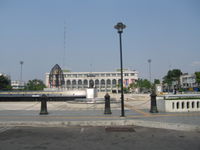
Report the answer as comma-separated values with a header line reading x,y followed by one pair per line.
x,y
82,130
3,129
96,117
137,110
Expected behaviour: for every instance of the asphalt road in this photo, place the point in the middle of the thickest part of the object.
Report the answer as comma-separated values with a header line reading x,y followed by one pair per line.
x,y
96,138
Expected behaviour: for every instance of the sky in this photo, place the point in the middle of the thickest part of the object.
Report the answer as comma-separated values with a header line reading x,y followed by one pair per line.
x,y
165,31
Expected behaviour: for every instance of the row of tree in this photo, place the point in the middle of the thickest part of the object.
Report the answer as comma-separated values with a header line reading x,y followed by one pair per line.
x,y
32,85
5,83
171,79
144,85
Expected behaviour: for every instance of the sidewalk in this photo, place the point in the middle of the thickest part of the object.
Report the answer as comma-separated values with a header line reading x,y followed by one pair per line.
x,y
92,114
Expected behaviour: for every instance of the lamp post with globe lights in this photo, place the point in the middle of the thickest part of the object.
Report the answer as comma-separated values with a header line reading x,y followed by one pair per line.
x,y
120,26
21,63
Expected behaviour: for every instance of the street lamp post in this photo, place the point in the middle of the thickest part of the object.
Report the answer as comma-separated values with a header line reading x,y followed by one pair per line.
x,y
149,61
120,26
21,63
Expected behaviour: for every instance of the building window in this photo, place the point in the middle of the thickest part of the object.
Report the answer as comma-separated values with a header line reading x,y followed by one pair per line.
x,y
103,83
85,83
132,74
74,84
91,83
96,83
74,75
102,75
107,75
119,82
80,75
79,82
108,83
114,83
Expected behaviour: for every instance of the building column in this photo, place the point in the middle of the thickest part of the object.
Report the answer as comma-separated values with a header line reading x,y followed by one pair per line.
x,y
99,85
76,83
111,86
71,84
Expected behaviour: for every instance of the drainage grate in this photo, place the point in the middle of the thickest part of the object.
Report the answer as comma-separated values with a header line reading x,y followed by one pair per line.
x,y
119,129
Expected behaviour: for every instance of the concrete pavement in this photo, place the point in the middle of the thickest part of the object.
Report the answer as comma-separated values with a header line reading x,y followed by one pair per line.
x,y
82,113
96,138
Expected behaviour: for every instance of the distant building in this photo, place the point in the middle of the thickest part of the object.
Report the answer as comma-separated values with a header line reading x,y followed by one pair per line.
x,y
17,85
102,81
188,81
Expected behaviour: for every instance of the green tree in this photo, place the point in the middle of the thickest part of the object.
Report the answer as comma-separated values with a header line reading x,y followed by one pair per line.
x,y
172,75
5,83
35,85
197,74
132,85
146,84
142,84
156,81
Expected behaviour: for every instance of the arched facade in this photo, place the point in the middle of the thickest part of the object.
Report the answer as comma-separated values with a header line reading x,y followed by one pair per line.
x,y
102,81
56,77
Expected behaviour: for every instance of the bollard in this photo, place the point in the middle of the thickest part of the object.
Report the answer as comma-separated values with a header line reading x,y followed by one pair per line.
x,y
43,110
107,104
153,103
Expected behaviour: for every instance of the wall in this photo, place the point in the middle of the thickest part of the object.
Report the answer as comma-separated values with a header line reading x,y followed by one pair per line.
x,y
187,105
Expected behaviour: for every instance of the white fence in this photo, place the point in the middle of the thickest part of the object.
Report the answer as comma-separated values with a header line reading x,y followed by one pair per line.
x,y
181,105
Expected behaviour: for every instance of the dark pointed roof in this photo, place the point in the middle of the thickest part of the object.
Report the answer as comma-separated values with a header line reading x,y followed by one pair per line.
x,y
56,70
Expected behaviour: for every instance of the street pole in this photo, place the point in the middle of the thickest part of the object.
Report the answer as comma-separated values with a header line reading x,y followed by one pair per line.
x,y
21,63
120,26
149,61
121,65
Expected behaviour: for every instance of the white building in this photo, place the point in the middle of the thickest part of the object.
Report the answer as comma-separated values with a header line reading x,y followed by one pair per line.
x,y
17,85
188,81
102,81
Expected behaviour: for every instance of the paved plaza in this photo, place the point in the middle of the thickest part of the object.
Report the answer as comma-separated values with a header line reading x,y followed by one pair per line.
x,y
96,138
91,113
82,124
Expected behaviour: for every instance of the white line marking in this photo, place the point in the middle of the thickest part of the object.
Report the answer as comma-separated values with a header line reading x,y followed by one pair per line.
x,y
3,129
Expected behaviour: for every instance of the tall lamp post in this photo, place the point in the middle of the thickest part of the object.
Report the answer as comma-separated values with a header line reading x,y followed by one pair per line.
x,y
21,63
149,61
120,26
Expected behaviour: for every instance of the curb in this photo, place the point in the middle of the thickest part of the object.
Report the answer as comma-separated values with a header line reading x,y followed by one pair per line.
x,y
150,124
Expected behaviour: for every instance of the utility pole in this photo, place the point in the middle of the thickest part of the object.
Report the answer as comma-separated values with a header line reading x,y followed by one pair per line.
x,y
149,61
21,63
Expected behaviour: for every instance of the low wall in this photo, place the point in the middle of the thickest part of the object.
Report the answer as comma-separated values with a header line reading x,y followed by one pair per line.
x,y
183,105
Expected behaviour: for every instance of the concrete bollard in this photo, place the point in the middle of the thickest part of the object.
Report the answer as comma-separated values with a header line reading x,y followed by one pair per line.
x,y
107,104
43,110
153,103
